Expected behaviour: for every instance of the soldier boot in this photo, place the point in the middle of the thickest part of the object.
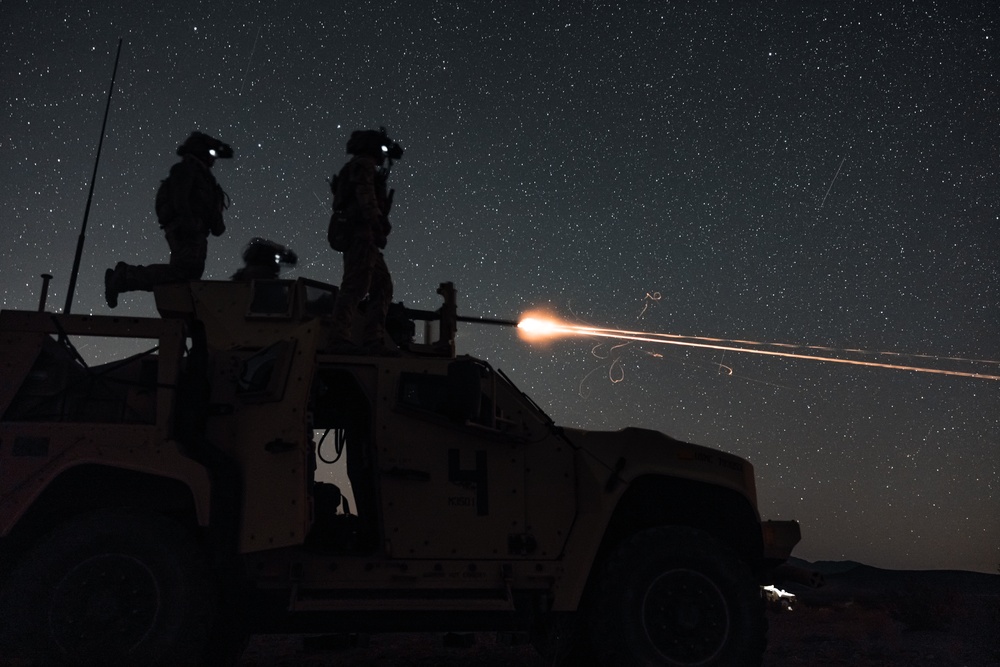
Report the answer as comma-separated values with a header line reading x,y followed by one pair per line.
x,y
114,283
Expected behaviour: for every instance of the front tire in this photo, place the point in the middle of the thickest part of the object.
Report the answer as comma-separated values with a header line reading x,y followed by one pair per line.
x,y
109,588
676,596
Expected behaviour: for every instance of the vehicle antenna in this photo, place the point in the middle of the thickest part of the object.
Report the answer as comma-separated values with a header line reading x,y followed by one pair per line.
x,y
90,195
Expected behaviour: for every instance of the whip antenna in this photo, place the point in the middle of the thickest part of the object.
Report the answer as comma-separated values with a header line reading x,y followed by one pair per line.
x,y
90,195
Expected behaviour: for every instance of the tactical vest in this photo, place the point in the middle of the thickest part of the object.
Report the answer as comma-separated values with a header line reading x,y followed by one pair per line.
x,y
347,214
191,191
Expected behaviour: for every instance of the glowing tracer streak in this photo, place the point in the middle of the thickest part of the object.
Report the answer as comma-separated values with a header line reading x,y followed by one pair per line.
x,y
536,328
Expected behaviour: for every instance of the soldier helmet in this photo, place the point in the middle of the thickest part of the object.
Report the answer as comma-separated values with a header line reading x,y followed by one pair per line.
x,y
262,251
262,260
373,142
204,146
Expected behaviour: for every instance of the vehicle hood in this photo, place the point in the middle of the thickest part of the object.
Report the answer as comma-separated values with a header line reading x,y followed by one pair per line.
x,y
634,452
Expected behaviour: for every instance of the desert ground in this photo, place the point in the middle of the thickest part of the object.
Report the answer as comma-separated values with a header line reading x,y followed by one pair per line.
x,y
860,617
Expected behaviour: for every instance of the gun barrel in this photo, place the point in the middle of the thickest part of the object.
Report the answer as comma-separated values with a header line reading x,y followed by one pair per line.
x,y
487,320
434,315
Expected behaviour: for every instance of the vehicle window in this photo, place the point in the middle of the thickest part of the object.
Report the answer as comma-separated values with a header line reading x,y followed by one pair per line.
x,y
425,392
271,298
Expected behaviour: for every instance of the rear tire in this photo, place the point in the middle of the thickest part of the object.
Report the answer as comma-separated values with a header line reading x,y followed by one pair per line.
x,y
676,596
110,587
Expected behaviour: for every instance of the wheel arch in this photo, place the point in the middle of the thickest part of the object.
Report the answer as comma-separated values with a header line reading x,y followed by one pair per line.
x,y
88,487
657,500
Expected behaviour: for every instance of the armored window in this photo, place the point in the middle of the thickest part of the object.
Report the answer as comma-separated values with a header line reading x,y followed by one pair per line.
x,y
424,392
271,298
319,298
457,395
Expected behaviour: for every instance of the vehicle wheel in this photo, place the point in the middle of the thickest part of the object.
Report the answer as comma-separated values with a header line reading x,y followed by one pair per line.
x,y
676,596
111,587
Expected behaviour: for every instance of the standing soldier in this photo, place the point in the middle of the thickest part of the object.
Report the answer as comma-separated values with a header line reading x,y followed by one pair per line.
x,y
359,228
189,206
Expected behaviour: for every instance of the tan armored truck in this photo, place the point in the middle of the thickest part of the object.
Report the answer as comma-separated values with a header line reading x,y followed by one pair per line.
x,y
160,508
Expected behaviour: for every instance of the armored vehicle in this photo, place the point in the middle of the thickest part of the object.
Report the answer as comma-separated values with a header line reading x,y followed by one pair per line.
x,y
163,507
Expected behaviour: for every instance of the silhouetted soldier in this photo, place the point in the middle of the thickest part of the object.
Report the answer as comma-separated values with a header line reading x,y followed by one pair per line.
x,y
262,260
189,206
359,228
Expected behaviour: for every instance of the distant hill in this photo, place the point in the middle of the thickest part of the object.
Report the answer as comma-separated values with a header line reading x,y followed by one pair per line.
x,y
826,567
850,579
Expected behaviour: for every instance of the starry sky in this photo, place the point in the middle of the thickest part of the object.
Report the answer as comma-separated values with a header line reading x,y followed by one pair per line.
x,y
819,172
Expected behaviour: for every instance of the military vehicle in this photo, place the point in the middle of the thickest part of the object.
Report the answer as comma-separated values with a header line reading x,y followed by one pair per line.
x,y
163,507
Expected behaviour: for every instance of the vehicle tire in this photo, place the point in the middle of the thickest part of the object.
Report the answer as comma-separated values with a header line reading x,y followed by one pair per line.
x,y
110,588
676,596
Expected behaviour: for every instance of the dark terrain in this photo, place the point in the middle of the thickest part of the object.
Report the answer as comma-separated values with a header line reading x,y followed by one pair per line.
x,y
861,617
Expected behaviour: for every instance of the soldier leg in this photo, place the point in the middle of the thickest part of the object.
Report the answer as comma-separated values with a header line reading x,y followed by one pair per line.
x,y
362,478
188,252
379,298
136,277
187,262
359,260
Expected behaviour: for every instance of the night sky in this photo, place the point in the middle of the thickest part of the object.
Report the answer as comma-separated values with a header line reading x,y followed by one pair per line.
x,y
816,172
